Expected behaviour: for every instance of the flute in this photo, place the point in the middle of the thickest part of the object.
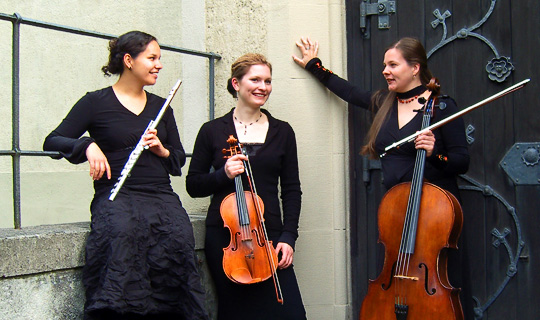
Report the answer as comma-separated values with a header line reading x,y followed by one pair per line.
x,y
134,156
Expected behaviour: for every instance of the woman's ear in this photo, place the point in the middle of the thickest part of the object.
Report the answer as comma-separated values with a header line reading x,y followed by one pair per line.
x,y
128,61
416,69
235,84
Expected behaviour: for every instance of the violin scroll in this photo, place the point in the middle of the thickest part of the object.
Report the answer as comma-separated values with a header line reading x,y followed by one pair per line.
x,y
233,147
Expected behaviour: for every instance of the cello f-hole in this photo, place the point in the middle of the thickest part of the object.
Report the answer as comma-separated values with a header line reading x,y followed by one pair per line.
x,y
383,286
426,284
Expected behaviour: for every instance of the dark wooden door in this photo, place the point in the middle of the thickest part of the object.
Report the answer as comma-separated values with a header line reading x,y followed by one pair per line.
x,y
476,49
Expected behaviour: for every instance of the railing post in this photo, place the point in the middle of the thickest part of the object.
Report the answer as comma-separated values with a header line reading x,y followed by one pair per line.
x,y
16,158
211,86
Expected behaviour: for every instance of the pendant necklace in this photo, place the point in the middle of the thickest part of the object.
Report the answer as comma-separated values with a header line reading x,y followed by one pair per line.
x,y
246,125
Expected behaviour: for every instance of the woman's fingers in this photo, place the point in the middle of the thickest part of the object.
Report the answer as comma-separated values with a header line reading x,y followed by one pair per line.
x,y
98,162
234,165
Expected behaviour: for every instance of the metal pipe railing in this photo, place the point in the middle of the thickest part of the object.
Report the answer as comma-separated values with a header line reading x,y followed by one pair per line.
x,y
15,151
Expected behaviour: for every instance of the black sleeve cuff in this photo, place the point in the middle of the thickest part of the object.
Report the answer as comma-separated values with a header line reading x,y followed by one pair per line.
x,y
316,68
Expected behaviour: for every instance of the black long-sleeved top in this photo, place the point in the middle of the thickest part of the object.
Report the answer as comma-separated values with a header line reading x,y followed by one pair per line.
x,y
116,130
450,156
274,164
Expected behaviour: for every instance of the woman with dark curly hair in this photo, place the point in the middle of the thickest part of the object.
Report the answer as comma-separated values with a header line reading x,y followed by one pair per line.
x,y
140,254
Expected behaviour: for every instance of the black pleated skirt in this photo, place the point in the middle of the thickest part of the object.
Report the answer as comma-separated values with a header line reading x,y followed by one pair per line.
x,y
140,258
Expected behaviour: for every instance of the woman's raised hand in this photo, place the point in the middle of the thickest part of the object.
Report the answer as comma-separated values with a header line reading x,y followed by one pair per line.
x,y
98,162
308,49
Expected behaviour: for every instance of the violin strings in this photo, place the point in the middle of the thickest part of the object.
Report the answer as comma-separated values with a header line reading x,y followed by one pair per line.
x,y
243,216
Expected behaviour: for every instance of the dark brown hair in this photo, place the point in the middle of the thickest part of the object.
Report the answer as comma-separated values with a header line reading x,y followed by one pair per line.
x,y
132,43
241,66
413,52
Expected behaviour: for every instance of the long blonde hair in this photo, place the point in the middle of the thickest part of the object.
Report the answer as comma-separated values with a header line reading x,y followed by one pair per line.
x,y
413,52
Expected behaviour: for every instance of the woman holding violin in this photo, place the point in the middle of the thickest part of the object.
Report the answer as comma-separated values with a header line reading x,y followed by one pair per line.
x,y
267,147
396,116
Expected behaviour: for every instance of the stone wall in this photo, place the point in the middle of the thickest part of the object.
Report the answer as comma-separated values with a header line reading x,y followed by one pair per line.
x,y
41,268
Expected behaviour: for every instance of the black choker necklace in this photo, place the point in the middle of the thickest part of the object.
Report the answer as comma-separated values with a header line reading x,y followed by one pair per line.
x,y
411,95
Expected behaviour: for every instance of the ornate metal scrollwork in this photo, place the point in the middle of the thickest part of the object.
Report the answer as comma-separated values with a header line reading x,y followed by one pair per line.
x,y
498,68
499,238
469,134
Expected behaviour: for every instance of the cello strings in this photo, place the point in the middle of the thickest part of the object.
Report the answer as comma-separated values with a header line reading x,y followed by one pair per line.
x,y
416,193
410,225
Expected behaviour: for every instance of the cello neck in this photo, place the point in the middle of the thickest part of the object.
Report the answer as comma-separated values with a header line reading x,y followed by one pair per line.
x,y
408,239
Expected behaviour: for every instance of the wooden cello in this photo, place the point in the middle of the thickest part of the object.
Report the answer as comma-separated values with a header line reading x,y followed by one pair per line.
x,y
250,257
417,222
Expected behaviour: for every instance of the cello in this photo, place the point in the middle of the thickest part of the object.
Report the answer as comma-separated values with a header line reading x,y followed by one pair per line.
x,y
250,257
417,222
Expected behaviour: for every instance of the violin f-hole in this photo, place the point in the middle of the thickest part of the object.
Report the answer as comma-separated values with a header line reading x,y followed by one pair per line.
x,y
256,236
235,241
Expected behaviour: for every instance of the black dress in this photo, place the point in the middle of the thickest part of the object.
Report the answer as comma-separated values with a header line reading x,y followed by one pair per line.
x,y
140,254
275,169
450,157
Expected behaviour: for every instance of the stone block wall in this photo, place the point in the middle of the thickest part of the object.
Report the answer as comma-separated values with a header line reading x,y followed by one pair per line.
x,y
40,269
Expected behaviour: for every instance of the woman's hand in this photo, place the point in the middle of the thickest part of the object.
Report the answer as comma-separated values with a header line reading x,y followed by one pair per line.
x,y
234,165
151,140
308,49
98,162
425,140
287,255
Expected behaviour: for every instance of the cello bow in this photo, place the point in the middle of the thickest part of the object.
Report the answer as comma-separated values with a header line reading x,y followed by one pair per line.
x,y
456,115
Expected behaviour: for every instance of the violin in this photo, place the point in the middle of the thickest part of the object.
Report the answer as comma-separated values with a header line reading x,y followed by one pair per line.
x,y
250,257
416,221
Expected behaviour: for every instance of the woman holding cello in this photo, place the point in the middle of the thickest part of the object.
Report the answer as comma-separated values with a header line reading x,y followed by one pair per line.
x,y
265,147
396,116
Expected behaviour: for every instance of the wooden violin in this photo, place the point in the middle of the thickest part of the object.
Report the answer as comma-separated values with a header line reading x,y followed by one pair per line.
x,y
250,256
416,222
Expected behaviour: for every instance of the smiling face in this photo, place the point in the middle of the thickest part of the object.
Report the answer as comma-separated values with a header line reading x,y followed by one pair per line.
x,y
145,67
255,86
399,74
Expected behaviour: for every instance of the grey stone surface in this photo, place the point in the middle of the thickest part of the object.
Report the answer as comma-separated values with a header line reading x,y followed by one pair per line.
x,y
41,270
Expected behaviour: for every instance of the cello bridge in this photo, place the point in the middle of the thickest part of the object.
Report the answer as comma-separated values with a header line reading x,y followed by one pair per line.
x,y
406,277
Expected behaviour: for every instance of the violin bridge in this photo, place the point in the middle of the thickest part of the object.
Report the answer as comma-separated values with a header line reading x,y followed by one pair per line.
x,y
406,277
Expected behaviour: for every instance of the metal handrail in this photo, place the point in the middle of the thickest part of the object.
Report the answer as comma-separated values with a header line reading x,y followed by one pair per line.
x,y
15,151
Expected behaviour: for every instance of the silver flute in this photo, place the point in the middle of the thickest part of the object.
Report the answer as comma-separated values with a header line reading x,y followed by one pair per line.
x,y
134,156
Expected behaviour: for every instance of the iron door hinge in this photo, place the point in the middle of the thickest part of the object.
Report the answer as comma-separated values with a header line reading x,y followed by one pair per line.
x,y
369,165
382,8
